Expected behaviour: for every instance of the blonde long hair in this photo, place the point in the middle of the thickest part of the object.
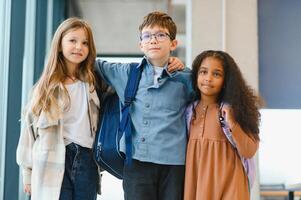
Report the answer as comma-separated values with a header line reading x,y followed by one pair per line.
x,y
49,93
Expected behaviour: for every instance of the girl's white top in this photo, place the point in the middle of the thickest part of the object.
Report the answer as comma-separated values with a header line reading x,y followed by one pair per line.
x,y
76,127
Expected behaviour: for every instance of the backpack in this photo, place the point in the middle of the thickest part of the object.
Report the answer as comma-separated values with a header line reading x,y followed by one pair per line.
x,y
115,122
249,164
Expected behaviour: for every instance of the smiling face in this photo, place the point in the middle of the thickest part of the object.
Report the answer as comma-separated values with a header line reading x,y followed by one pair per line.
x,y
157,50
75,47
210,78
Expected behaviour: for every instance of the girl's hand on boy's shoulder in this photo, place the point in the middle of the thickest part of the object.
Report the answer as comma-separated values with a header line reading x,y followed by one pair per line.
x,y
175,64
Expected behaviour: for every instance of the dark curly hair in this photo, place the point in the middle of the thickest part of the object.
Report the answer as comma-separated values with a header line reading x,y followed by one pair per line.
x,y
242,98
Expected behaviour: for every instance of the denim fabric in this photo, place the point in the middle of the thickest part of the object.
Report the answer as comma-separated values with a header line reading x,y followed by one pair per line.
x,y
157,113
149,181
80,177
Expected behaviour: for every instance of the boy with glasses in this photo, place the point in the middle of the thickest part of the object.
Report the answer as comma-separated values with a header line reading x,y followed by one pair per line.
x,y
159,130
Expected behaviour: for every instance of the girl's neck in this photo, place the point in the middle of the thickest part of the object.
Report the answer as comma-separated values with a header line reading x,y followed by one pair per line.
x,y
70,80
71,72
71,68
70,77
205,100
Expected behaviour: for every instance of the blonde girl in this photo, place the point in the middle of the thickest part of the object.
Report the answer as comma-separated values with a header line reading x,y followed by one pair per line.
x,y
54,150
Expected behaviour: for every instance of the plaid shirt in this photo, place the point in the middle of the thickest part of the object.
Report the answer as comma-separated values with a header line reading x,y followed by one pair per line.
x,y
41,151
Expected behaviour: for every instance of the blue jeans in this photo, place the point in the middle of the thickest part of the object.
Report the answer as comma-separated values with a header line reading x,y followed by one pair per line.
x,y
150,181
81,176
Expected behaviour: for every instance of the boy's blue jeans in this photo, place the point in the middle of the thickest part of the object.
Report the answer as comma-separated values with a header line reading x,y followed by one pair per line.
x,y
150,181
80,177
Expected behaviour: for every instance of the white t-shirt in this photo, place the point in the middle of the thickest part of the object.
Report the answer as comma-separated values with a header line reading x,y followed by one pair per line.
x,y
157,73
76,125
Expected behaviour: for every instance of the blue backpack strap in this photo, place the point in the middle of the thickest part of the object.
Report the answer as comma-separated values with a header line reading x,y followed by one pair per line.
x,y
125,125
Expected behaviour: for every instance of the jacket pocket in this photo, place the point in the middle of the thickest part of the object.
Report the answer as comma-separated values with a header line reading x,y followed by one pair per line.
x,y
47,136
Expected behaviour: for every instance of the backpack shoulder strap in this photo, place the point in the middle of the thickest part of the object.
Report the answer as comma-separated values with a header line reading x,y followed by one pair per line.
x,y
188,114
125,125
225,127
132,83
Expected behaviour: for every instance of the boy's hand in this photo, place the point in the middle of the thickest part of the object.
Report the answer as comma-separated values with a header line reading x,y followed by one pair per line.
x,y
174,64
27,189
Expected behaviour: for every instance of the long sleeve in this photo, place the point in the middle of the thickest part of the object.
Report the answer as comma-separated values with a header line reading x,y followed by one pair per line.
x,y
184,76
246,145
112,73
24,149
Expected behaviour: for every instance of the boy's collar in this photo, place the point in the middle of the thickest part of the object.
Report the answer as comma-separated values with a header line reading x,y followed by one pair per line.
x,y
143,62
165,71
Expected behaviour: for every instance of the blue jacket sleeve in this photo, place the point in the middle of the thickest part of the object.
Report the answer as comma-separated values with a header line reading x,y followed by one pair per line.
x,y
186,78
115,74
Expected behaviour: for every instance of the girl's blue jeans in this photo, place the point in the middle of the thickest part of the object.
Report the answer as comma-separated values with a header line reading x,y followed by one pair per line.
x,y
81,176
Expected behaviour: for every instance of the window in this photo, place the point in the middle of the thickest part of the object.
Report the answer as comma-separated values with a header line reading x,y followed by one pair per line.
x,y
5,6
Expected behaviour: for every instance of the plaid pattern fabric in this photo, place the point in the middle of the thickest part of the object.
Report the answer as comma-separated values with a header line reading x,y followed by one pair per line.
x,y
41,151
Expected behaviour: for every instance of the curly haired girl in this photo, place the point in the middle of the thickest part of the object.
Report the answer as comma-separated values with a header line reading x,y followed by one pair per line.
x,y
213,167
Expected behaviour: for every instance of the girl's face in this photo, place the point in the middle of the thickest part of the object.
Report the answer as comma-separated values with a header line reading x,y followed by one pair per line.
x,y
210,77
75,47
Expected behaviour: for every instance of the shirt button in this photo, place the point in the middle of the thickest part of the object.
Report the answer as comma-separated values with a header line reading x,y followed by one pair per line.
x,y
143,139
147,105
145,122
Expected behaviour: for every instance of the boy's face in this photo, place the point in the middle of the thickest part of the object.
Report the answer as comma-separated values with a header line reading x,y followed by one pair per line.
x,y
156,44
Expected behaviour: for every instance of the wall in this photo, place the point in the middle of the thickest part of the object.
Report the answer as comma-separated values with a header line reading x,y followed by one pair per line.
x,y
115,23
279,58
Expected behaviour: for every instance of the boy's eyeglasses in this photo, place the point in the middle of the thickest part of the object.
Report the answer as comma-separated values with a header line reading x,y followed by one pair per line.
x,y
160,37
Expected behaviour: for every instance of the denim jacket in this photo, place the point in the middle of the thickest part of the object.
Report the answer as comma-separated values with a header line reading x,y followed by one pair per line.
x,y
157,113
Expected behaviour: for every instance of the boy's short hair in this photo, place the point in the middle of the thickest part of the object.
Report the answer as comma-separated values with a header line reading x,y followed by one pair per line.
x,y
160,19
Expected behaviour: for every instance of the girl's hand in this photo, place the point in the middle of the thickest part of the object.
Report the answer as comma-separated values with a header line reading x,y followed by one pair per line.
x,y
227,113
27,189
174,64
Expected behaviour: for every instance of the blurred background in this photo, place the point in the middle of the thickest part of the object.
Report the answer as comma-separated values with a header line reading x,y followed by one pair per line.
x,y
263,36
